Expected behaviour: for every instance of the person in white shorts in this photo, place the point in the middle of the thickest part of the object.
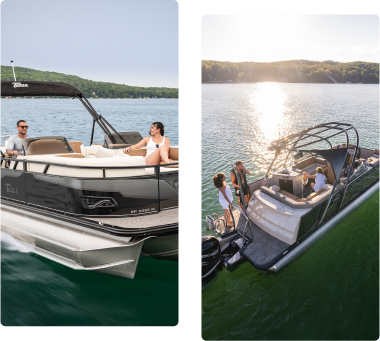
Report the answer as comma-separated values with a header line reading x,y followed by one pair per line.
x,y
225,196
320,179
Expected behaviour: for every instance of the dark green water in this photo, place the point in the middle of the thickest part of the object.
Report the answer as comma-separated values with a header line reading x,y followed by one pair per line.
x,y
330,292
38,292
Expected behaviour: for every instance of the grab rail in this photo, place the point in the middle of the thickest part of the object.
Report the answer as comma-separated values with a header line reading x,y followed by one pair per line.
x,y
247,221
89,167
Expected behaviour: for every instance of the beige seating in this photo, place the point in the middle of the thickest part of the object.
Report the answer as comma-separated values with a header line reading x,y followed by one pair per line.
x,y
289,195
76,146
293,201
72,155
309,165
373,161
177,154
51,146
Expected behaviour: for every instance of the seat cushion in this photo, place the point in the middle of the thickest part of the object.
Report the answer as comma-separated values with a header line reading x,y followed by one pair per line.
x,y
50,146
76,145
314,194
289,195
104,152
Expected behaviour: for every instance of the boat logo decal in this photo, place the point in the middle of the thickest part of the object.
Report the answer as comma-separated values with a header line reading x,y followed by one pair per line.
x,y
152,209
11,189
20,85
210,254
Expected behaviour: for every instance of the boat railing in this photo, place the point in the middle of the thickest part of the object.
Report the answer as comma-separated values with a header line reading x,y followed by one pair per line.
x,y
215,224
247,239
157,169
48,164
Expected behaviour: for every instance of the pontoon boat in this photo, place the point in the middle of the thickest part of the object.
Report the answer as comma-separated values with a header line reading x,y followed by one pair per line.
x,y
88,207
284,216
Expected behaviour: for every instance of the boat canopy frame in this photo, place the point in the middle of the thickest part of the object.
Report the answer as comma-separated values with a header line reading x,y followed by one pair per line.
x,y
58,89
335,156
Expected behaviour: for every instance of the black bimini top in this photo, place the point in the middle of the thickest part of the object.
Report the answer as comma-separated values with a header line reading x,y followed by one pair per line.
x,y
33,88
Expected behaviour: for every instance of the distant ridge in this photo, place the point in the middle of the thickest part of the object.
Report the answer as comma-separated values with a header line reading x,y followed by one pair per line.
x,y
88,87
292,71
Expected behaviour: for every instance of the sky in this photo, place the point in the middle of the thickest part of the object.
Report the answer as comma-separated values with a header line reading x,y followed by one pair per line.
x,y
269,38
120,41
154,42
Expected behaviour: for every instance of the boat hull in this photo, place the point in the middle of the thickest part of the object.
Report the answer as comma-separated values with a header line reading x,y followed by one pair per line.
x,y
164,247
321,232
80,247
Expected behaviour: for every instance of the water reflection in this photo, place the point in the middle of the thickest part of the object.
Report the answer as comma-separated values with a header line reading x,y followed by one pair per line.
x,y
269,107
269,103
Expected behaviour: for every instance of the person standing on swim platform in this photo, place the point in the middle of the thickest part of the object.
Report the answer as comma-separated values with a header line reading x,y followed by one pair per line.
x,y
242,171
225,197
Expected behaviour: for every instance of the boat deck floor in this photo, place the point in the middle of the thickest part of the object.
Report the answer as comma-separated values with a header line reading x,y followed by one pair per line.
x,y
263,249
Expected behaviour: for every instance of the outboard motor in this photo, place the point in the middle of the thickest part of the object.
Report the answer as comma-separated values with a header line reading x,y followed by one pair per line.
x,y
211,255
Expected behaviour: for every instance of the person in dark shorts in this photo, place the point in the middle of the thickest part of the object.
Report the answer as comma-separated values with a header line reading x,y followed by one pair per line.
x,y
242,171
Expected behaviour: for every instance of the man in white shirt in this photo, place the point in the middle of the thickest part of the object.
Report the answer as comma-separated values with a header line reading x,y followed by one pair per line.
x,y
15,141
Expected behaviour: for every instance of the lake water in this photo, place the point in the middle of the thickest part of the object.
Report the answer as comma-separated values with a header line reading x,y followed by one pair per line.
x,y
331,291
38,292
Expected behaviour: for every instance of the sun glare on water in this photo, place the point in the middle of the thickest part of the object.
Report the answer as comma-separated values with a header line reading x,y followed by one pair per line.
x,y
269,103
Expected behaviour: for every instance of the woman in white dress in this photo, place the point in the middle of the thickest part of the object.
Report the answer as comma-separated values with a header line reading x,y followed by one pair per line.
x,y
157,146
320,179
225,196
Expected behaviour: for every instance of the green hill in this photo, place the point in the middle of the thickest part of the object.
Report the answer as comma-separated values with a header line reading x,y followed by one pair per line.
x,y
292,71
88,87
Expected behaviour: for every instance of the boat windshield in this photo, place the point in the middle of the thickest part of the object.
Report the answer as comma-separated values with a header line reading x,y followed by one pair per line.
x,y
359,171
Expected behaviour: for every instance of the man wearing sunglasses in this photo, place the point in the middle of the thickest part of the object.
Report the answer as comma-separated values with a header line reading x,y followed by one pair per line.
x,y
15,141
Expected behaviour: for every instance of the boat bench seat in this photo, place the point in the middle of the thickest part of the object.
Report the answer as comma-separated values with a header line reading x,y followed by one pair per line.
x,y
309,165
373,161
99,151
291,200
75,159
85,162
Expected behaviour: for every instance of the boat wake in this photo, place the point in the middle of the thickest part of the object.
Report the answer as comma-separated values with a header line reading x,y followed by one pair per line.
x,y
12,244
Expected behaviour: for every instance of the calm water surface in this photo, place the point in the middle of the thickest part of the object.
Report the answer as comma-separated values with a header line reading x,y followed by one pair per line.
x,y
36,291
330,292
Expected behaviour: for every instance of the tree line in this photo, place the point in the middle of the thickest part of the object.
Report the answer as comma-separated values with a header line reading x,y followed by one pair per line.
x,y
88,87
292,71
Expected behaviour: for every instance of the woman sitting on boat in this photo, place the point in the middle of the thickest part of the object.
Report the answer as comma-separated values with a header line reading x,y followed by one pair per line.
x,y
157,146
225,196
320,179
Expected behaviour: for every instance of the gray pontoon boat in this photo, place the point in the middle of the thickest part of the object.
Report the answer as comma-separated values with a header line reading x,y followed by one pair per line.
x,y
88,207
285,217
